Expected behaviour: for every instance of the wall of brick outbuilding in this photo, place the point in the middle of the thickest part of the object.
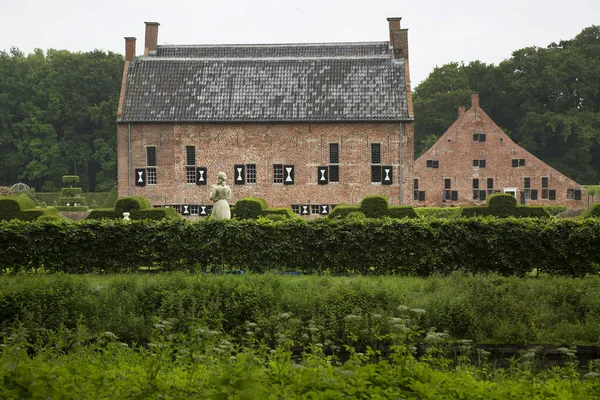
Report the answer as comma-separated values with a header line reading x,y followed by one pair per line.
x,y
456,150
305,145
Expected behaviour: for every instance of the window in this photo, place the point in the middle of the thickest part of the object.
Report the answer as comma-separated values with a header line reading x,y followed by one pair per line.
x,y
296,209
544,182
479,137
315,209
534,194
334,173
447,183
190,175
527,194
375,173
250,173
433,163
194,209
334,153
151,176
490,183
277,173
151,156
415,189
551,194
544,194
573,194
479,195
479,163
475,183
190,155
375,153
518,162
526,182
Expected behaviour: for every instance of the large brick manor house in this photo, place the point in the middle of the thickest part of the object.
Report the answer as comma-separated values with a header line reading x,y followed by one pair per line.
x,y
306,126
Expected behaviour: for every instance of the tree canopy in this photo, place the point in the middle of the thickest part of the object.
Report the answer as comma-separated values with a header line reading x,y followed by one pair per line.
x,y
546,99
57,117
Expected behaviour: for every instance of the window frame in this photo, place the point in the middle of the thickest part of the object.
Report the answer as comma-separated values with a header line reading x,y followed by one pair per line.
x,y
278,174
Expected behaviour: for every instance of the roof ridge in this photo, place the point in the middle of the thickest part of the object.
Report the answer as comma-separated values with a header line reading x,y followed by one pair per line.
x,y
282,58
274,44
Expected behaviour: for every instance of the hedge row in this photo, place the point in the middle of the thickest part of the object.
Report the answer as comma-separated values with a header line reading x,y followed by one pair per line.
x,y
355,246
22,208
375,206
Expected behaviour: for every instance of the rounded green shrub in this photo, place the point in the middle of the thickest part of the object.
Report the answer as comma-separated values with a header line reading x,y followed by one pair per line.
x,y
250,207
71,192
401,212
11,206
275,217
285,212
502,205
132,203
375,206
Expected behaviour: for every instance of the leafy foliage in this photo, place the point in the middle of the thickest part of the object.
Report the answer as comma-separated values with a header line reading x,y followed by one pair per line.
x,y
132,203
337,246
504,205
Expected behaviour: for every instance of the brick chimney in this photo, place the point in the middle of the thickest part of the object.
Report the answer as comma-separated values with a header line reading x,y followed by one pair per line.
x,y
151,37
399,46
461,110
129,48
474,100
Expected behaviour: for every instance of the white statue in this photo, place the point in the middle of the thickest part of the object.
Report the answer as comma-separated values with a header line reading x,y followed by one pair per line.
x,y
220,193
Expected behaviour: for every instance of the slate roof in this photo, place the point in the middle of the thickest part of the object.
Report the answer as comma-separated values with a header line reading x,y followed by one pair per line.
x,y
266,83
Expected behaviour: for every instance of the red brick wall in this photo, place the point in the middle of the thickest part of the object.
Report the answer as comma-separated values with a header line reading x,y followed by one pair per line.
x,y
455,151
306,146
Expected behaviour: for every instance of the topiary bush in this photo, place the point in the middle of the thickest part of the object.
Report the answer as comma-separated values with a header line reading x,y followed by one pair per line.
x,y
285,212
438,212
502,205
250,207
592,212
374,206
70,180
132,203
401,212
111,199
343,210
23,208
555,210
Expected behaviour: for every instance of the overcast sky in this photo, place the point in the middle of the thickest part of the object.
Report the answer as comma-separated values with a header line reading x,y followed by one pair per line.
x,y
439,31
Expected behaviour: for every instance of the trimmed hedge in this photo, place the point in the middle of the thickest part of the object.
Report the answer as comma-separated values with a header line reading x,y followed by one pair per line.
x,y
112,198
250,207
503,205
348,246
71,192
554,210
22,208
592,212
438,212
155,214
374,206
401,212
70,180
285,212
132,203
342,211
72,208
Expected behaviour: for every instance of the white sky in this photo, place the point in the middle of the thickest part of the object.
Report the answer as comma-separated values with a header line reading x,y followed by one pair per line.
x,y
439,31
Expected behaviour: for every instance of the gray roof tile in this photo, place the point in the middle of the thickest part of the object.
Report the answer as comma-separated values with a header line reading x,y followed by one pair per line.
x,y
313,82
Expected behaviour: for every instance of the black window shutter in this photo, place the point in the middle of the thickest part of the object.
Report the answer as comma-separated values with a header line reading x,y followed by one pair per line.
x,y
201,176
476,137
140,177
436,163
288,174
415,183
577,194
203,211
533,194
475,183
387,177
481,163
185,209
375,173
544,183
324,209
239,174
304,209
323,175
455,195
515,162
421,195
552,194
447,183
334,173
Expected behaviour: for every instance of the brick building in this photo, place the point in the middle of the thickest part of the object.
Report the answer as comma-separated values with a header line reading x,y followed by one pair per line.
x,y
305,126
475,158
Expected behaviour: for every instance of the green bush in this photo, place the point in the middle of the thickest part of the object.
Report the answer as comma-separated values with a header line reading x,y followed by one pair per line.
x,y
342,211
503,205
374,206
356,215
71,192
275,217
401,212
132,203
72,208
155,214
285,212
554,210
70,180
104,213
438,212
250,207
531,212
592,212
335,246
12,206
112,198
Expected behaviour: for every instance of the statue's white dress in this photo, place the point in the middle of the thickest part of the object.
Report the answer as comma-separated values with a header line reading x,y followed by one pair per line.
x,y
220,194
